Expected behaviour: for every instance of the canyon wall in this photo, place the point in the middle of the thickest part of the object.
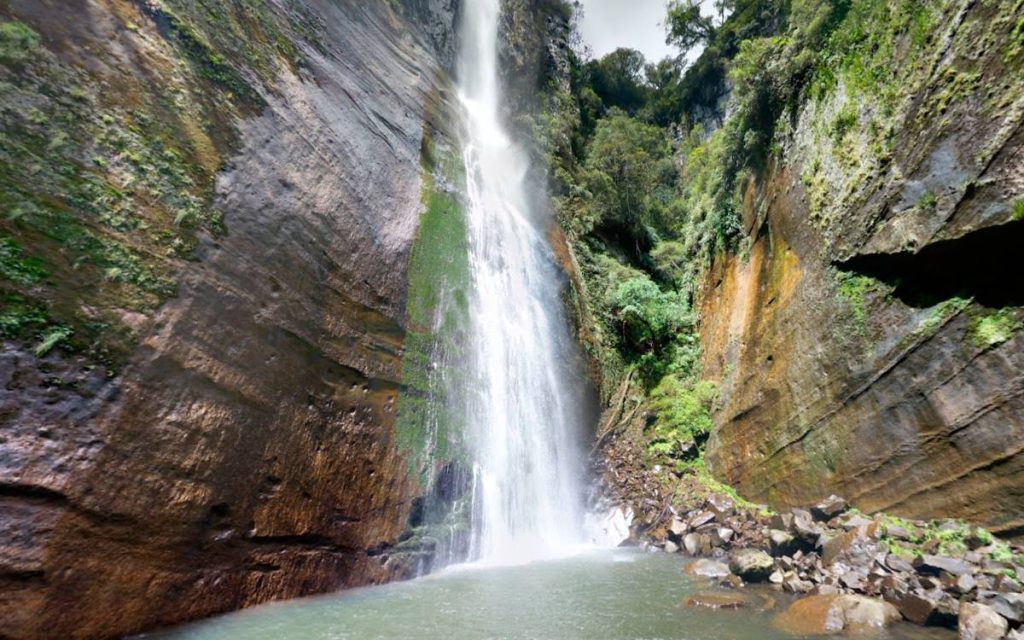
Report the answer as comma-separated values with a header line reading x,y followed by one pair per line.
x,y
869,343
210,210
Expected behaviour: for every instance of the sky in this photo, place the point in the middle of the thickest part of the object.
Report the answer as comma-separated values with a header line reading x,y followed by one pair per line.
x,y
610,24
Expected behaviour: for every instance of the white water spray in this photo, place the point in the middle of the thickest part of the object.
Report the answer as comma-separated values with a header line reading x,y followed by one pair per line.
x,y
525,415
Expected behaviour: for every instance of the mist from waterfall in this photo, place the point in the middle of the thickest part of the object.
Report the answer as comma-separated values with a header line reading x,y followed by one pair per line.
x,y
525,411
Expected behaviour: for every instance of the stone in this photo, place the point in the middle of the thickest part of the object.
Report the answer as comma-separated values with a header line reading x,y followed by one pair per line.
x,y
933,565
707,568
965,584
714,601
854,521
916,608
829,508
795,584
832,548
780,542
1008,605
704,540
701,518
831,614
783,521
691,543
678,528
725,534
722,506
897,532
671,547
981,622
776,577
753,565
804,527
898,564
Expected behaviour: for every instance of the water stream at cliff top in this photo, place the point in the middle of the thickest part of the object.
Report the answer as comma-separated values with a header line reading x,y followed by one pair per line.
x,y
524,415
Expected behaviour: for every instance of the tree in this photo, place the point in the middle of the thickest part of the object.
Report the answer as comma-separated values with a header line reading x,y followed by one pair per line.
x,y
618,79
663,104
622,164
689,25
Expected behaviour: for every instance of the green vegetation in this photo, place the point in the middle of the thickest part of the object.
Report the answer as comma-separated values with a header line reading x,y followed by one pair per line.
x,y
1018,209
17,42
428,426
654,165
947,537
683,417
994,328
854,289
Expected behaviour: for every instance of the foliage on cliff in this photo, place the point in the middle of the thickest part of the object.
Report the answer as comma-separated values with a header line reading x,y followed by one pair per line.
x,y
651,162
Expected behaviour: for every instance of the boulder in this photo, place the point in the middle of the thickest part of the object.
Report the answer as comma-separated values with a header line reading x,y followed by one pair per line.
x,y
830,614
965,584
780,542
752,565
677,529
714,601
933,565
833,548
917,608
691,543
722,506
701,518
854,521
829,508
981,622
1008,605
671,547
783,521
898,564
897,532
804,528
707,568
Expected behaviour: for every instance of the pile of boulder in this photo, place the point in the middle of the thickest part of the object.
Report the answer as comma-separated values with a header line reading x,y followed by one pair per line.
x,y
942,574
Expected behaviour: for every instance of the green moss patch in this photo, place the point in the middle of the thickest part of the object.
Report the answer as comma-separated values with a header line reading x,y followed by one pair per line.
x,y
429,425
994,328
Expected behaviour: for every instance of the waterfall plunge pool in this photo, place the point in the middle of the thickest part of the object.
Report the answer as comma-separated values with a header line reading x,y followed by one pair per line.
x,y
599,595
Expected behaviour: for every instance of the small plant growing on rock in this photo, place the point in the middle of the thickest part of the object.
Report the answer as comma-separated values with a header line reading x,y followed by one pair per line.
x,y
1018,210
17,42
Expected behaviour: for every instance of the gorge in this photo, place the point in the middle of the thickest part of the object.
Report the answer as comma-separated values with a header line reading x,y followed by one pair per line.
x,y
301,296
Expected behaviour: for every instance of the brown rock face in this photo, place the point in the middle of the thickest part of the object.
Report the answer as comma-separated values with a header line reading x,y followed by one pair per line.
x,y
246,451
858,350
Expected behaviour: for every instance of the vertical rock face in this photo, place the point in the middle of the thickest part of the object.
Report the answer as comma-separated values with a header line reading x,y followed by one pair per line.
x,y
871,343
244,450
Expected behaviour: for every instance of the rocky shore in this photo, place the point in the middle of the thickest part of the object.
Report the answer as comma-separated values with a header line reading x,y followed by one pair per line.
x,y
853,572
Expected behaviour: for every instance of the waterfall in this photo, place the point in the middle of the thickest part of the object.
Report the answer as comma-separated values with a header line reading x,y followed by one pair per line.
x,y
524,408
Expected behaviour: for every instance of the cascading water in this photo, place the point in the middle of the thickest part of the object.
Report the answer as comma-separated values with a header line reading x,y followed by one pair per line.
x,y
525,415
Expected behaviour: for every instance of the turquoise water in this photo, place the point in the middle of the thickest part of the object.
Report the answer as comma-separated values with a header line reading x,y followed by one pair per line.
x,y
598,596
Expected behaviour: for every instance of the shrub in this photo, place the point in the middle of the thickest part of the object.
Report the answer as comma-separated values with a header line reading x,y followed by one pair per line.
x,y
17,42
682,416
647,317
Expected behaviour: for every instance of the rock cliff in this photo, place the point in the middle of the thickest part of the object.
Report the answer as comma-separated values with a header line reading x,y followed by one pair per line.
x,y
210,210
870,344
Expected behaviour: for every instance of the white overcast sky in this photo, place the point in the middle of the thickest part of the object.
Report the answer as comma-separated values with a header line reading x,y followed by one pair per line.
x,y
610,24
